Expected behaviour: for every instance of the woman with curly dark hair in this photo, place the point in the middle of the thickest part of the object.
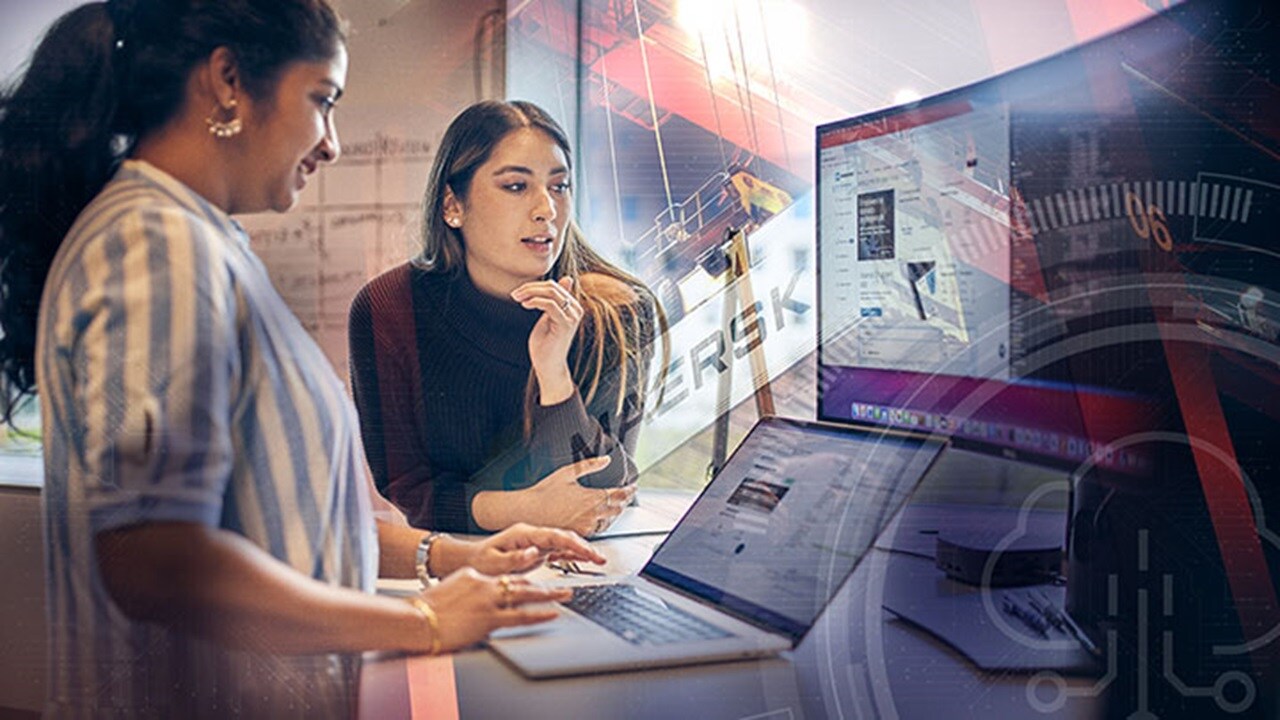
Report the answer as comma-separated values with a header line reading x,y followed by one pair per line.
x,y
210,546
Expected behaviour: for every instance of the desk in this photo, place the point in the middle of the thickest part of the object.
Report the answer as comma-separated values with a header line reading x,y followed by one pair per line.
x,y
858,662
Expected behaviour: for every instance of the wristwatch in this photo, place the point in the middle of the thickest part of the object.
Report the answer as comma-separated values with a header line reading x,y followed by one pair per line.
x,y
422,559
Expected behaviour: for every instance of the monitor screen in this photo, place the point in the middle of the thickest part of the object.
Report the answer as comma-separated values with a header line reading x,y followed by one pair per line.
x,y
1013,262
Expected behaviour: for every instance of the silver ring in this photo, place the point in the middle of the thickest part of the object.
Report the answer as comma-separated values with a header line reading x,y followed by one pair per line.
x,y
565,305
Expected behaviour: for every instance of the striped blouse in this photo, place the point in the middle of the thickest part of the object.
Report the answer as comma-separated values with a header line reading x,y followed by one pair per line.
x,y
175,385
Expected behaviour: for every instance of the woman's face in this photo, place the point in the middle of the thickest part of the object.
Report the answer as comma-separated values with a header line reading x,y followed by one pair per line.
x,y
515,214
289,134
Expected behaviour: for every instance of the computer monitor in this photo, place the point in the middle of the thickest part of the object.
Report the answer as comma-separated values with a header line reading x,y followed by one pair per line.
x,y
1013,262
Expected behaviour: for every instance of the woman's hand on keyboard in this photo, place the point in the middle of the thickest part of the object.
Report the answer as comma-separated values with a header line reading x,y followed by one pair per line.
x,y
470,606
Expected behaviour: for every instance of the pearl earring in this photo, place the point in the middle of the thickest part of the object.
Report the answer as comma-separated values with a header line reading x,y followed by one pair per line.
x,y
223,129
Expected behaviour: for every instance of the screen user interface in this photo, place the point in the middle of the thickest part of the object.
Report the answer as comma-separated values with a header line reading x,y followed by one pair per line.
x,y
776,533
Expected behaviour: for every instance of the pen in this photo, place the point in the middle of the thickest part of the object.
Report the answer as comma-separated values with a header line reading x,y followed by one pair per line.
x,y
1062,620
569,567
1034,620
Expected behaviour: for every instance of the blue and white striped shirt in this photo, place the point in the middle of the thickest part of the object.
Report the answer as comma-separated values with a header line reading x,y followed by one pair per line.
x,y
175,385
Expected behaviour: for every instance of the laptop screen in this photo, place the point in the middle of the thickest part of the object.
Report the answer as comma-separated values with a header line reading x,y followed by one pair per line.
x,y
774,535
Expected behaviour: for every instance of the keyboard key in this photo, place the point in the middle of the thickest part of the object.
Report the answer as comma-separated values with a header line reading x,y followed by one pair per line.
x,y
623,611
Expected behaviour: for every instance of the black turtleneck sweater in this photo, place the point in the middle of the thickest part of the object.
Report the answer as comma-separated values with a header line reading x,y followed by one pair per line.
x,y
438,370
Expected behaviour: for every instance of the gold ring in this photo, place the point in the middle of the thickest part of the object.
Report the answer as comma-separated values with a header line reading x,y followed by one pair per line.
x,y
504,591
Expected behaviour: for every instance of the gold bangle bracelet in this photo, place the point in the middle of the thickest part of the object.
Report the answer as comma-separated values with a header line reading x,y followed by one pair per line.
x,y
433,622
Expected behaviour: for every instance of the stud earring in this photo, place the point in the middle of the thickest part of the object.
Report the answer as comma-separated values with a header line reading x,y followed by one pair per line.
x,y
453,222
224,129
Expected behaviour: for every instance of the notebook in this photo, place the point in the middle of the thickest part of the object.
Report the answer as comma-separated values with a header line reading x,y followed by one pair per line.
x,y
752,564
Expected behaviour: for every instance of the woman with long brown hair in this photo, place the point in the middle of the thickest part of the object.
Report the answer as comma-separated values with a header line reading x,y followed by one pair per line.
x,y
507,347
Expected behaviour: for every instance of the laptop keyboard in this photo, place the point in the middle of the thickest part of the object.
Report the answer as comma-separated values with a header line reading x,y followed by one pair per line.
x,y
623,611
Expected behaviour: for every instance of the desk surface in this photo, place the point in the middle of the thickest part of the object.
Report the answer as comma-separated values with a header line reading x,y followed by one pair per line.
x,y
857,662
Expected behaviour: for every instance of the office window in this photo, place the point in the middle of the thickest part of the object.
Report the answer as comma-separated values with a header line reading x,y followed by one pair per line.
x,y
20,459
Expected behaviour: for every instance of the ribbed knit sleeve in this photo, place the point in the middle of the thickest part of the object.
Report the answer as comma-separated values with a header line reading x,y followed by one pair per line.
x,y
570,431
387,389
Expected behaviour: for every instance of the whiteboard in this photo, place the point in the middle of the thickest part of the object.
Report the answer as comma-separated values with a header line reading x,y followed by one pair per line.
x,y
413,67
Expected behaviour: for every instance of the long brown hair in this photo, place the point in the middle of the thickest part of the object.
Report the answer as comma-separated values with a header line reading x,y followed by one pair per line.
x,y
603,288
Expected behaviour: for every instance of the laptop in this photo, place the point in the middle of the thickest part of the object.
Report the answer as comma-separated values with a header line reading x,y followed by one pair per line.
x,y
752,564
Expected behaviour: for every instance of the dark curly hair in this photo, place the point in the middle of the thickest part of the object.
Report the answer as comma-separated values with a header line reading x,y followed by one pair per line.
x,y
105,75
